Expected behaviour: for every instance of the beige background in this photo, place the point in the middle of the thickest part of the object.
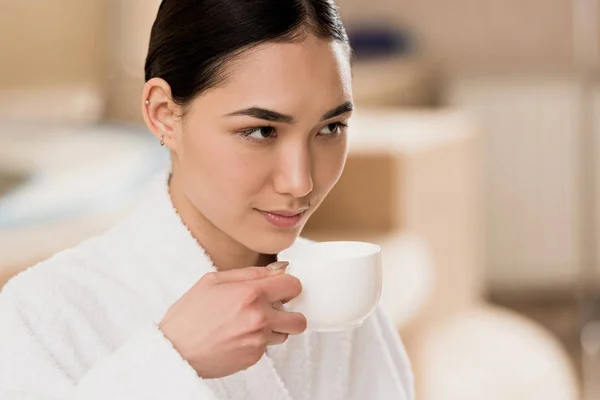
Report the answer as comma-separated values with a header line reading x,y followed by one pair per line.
x,y
52,42
67,41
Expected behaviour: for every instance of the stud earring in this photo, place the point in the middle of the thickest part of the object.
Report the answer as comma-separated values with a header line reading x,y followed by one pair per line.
x,y
147,102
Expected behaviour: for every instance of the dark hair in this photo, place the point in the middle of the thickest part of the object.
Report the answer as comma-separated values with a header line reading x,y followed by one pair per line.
x,y
191,40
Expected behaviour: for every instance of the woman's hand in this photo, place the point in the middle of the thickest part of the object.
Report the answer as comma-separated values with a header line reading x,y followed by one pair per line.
x,y
223,324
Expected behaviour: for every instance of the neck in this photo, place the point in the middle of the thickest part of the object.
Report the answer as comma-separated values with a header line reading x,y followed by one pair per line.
x,y
224,251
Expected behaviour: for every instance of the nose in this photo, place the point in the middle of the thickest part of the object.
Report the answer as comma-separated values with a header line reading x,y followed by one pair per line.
x,y
293,175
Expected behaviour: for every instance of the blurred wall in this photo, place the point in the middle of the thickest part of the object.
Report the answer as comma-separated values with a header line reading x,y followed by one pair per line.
x,y
52,42
131,22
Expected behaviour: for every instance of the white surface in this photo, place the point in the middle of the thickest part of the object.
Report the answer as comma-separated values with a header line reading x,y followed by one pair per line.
x,y
494,354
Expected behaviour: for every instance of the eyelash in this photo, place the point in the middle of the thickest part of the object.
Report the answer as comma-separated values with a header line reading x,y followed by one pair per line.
x,y
339,126
246,133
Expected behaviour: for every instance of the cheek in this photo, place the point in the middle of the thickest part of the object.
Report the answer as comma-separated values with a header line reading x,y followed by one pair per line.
x,y
329,162
219,173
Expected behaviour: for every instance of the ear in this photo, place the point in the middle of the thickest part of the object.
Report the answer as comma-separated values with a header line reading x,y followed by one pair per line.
x,y
160,113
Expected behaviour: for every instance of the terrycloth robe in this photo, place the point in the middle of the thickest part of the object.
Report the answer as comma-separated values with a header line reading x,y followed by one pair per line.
x,y
83,325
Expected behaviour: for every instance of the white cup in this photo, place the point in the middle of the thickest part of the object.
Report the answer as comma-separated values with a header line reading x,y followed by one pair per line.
x,y
341,283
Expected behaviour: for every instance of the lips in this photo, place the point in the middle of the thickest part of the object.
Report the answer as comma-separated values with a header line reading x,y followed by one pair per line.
x,y
283,219
286,213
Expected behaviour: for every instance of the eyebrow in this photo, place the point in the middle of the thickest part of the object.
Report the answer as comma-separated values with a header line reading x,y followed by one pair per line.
x,y
274,116
339,110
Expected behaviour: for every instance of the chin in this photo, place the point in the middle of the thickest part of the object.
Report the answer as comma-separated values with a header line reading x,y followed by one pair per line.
x,y
272,242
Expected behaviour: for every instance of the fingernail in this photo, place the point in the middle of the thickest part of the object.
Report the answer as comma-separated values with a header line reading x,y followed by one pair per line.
x,y
278,265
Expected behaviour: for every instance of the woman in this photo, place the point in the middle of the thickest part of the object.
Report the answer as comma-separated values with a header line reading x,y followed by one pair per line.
x,y
252,98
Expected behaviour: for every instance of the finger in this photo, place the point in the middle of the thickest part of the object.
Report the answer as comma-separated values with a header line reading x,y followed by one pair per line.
x,y
289,322
245,274
282,287
275,338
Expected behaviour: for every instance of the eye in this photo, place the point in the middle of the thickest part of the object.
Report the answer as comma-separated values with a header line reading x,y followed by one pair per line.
x,y
333,129
260,133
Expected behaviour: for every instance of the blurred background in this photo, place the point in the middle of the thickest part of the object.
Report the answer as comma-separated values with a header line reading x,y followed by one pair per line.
x,y
473,163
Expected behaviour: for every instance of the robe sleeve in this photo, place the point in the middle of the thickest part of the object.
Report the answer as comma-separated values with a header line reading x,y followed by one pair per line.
x,y
380,368
146,366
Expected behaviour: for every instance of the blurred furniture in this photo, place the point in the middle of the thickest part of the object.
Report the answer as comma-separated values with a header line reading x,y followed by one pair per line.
x,y
532,169
412,185
542,184
63,185
470,36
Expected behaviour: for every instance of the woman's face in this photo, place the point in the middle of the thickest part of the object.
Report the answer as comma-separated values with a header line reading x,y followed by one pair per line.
x,y
258,154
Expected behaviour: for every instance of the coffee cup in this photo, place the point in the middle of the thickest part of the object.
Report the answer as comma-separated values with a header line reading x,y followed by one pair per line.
x,y
341,283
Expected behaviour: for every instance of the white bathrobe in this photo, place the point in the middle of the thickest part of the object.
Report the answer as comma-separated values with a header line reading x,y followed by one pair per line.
x,y
83,325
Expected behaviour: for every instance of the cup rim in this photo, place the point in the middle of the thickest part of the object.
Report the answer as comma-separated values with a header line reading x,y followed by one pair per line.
x,y
295,253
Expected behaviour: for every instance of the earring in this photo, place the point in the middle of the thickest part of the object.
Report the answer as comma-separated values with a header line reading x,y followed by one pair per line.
x,y
147,102
162,140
